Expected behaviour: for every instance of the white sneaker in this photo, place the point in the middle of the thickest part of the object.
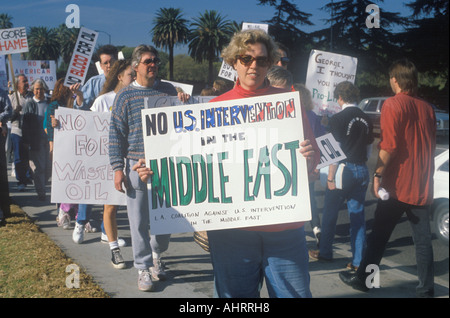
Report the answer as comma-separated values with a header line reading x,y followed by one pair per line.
x,y
121,242
63,219
157,270
78,233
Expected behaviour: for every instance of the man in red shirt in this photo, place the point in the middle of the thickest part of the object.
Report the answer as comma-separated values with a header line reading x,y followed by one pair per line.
x,y
405,170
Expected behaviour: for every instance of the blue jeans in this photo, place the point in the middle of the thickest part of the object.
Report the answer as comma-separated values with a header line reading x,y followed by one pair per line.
x,y
355,181
84,213
143,243
242,259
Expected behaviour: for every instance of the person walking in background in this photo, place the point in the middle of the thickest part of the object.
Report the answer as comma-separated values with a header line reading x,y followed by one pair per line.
x,y
21,164
5,114
353,129
120,76
405,169
318,130
35,138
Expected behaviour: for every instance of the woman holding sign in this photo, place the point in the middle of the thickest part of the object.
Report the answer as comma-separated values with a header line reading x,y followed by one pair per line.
x,y
118,77
243,257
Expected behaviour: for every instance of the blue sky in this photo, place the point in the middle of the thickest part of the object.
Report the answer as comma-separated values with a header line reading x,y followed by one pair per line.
x,y
128,22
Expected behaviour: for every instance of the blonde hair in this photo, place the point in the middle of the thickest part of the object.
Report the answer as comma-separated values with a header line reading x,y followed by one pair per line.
x,y
240,41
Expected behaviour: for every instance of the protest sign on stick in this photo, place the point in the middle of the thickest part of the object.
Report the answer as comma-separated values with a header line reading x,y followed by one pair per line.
x,y
13,41
34,69
81,57
81,172
229,164
325,71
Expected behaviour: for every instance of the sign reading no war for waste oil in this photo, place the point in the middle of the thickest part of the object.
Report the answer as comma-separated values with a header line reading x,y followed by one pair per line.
x,y
229,164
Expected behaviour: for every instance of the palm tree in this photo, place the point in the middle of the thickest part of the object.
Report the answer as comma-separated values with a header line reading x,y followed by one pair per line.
x,y
67,38
43,44
170,29
210,34
5,21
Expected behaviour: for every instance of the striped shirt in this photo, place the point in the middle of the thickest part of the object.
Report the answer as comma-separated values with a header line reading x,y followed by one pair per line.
x,y
125,134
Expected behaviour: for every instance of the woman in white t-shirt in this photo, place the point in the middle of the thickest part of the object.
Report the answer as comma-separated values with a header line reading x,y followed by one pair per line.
x,y
120,76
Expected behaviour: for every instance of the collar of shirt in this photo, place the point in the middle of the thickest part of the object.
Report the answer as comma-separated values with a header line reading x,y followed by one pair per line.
x,y
348,105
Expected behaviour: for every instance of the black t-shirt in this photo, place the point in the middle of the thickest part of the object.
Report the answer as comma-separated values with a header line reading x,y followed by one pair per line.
x,y
353,129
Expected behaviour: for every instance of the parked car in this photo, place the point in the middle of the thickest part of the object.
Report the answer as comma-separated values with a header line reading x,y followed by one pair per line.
x,y
441,193
372,107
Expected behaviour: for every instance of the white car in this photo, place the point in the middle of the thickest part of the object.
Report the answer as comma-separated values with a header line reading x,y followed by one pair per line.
x,y
440,204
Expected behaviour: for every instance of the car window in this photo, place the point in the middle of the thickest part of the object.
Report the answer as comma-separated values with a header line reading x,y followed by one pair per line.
x,y
381,104
371,106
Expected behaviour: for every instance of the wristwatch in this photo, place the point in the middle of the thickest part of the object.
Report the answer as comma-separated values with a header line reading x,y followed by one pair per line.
x,y
376,175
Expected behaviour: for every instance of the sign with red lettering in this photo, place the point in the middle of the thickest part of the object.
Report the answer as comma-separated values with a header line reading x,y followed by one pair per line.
x,y
81,57
34,69
13,41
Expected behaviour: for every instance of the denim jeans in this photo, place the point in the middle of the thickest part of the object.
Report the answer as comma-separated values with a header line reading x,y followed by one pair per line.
x,y
242,259
143,243
387,215
84,213
355,181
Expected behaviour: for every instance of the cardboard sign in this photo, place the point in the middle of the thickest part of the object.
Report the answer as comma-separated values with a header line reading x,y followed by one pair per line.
x,y
45,70
330,151
81,172
13,41
81,57
227,72
227,164
187,88
325,71
251,26
160,101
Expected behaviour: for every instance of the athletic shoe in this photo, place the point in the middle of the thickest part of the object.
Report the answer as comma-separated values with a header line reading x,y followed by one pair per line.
x,y
89,228
78,233
117,259
316,231
104,239
157,270
63,219
145,281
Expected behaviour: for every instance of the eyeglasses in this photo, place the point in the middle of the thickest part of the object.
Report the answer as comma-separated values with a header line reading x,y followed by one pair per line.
x,y
155,61
247,60
284,60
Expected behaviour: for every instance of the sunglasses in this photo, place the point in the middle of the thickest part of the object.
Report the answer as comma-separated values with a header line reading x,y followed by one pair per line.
x,y
155,61
284,60
247,60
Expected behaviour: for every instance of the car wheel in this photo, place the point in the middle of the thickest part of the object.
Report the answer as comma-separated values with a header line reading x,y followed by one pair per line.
x,y
441,221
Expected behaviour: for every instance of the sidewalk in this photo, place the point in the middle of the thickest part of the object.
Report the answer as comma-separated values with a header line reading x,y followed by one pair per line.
x,y
189,267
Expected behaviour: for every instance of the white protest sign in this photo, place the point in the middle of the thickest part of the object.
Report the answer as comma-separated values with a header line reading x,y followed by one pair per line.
x,y
252,26
13,41
330,151
159,101
187,88
81,57
325,71
229,164
81,172
227,72
45,70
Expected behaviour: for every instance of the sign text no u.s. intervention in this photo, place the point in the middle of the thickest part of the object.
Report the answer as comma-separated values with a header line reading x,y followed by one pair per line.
x,y
228,164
